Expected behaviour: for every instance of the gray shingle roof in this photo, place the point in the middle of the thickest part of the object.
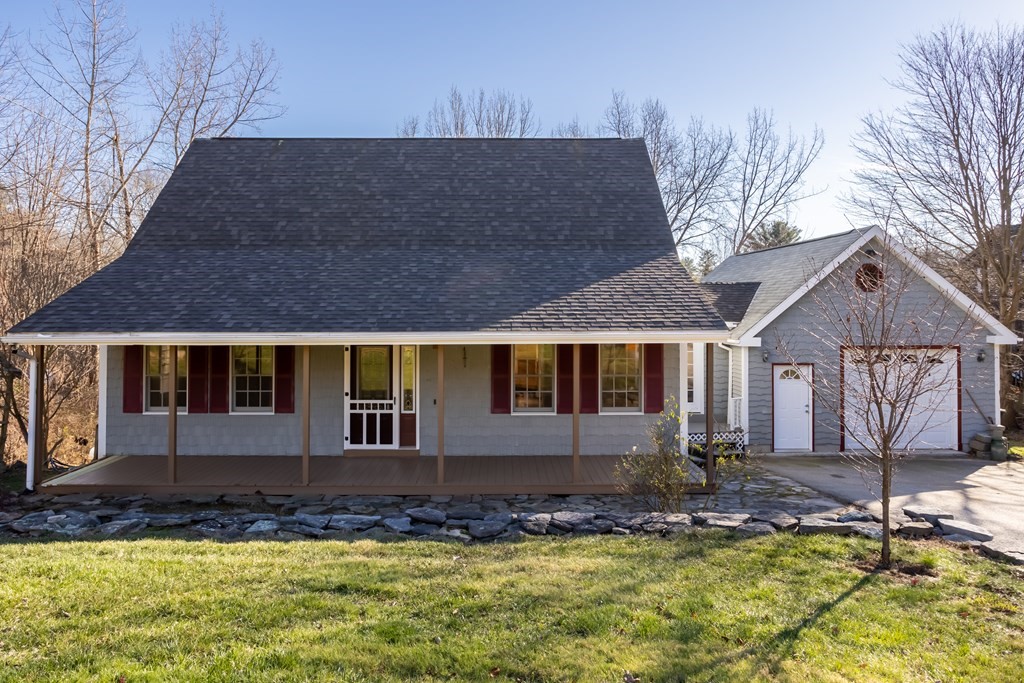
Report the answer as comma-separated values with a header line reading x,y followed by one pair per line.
x,y
396,235
781,271
730,299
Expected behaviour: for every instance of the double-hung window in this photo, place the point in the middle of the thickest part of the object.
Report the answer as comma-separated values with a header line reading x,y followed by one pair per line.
x,y
252,369
533,378
620,378
158,379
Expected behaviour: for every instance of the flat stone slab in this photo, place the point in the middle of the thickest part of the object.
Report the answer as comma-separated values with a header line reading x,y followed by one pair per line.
x,y
855,516
315,521
916,529
573,518
263,526
779,520
427,515
399,525
1003,551
816,525
929,514
486,529
721,520
953,526
466,511
352,522
872,530
756,529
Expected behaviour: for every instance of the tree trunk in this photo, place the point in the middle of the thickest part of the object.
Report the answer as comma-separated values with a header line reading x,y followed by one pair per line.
x,y
886,524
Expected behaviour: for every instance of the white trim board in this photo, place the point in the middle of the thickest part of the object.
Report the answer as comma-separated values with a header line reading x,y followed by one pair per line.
x,y
341,338
1001,333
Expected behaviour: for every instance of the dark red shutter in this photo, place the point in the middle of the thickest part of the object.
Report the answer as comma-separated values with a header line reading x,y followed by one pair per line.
x,y
220,379
654,378
563,384
199,379
501,378
134,366
284,379
590,389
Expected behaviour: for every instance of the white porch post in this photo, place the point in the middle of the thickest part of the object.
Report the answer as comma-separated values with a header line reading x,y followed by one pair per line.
x,y
33,420
101,406
684,415
997,417
745,389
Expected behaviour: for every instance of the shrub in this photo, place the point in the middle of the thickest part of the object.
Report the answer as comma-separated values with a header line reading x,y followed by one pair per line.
x,y
660,473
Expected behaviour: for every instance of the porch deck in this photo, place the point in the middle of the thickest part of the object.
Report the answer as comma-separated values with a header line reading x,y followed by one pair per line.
x,y
383,475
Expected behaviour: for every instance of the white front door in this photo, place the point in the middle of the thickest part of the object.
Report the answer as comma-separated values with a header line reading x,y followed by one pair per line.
x,y
793,407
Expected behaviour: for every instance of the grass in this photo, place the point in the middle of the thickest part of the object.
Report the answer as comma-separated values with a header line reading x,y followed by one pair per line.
x,y
586,609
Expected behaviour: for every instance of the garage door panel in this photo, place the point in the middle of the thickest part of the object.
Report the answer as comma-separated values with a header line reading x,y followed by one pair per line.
x,y
933,420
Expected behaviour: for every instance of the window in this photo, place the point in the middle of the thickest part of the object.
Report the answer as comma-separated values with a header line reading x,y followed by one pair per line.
x,y
533,378
869,277
695,378
620,378
408,379
373,373
253,371
158,379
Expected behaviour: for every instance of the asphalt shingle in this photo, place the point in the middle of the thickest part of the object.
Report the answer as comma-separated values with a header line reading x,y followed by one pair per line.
x,y
395,235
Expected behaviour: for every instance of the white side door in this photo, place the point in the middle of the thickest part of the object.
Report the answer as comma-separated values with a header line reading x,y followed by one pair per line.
x,y
792,407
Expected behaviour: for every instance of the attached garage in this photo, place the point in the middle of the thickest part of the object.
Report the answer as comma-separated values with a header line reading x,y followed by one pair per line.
x,y
934,422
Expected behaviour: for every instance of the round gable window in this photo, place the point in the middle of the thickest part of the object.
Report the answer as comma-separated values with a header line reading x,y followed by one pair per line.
x,y
869,277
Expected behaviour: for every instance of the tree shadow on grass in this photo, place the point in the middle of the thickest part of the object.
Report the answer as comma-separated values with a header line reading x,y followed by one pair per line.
x,y
768,654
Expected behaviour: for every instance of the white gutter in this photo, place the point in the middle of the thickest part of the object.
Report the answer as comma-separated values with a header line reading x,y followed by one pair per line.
x,y
336,338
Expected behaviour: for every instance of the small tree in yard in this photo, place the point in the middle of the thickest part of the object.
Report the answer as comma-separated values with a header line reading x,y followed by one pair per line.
x,y
883,344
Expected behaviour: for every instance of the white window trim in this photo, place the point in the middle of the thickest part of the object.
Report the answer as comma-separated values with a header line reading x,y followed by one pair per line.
x,y
601,410
696,406
232,410
146,410
415,379
553,410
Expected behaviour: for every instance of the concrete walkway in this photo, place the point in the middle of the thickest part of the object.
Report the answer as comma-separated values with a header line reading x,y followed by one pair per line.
x,y
978,491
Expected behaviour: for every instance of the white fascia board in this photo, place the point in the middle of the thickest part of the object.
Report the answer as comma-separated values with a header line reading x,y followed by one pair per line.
x,y
333,339
747,342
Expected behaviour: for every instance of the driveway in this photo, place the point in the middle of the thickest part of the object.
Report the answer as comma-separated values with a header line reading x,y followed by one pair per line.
x,y
978,491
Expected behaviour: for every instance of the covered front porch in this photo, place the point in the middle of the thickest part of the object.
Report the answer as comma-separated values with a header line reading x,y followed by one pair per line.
x,y
376,475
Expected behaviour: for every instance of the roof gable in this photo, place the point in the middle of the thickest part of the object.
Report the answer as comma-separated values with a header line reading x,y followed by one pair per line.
x,y
783,259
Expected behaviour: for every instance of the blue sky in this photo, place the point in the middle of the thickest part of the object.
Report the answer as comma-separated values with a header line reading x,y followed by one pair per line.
x,y
359,68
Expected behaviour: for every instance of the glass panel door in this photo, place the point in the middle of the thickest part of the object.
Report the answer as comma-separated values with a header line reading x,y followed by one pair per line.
x,y
373,373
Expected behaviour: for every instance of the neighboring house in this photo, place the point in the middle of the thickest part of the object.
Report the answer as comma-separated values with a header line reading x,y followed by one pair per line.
x,y
769,300
476,316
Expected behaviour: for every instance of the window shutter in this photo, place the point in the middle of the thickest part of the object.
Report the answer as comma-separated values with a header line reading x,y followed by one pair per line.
x,y
590,389
198,379
501,378
563,382
654,378
134,367
284,379
220,379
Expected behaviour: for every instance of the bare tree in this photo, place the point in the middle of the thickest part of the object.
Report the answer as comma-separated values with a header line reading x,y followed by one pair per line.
x,y
498,114
950,163
94,137
692,167
572,129
883,350
769,178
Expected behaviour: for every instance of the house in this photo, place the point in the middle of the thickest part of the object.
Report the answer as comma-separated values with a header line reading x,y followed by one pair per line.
x,y
386,316
780,352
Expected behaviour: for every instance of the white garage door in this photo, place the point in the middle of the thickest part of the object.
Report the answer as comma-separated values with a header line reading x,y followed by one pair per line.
x,y
934,419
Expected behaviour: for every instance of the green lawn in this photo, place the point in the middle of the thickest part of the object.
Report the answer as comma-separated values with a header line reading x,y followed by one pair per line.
x,y
712,607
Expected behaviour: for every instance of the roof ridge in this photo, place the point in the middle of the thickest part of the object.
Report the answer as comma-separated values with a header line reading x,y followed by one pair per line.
x,y
801,242
393,138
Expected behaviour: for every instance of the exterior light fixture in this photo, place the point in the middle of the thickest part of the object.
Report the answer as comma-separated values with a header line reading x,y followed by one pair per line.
x,y
981,356
764,356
